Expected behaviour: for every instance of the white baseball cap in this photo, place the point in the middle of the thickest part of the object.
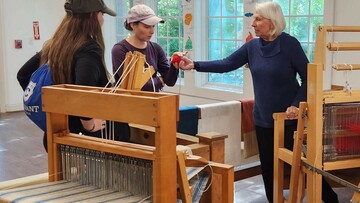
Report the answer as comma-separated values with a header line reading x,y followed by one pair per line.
x,y
143,13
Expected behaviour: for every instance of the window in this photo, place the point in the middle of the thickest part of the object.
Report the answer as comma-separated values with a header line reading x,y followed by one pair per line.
x,y
225,28
226,21
302,18
121,7
170,34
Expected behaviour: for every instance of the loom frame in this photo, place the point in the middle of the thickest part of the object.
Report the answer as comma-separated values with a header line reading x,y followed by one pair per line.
x,y
158,110
316,98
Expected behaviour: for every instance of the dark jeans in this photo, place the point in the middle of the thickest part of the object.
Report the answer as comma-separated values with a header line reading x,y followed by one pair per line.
x,y
265,139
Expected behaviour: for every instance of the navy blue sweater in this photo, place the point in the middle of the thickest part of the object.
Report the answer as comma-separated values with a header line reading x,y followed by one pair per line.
x,y
274,66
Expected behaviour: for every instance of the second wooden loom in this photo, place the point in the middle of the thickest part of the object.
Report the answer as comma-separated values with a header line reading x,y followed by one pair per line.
x,y
326,125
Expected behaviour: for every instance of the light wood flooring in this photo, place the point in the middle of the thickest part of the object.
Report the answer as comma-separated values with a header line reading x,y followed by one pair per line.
x,y
22,154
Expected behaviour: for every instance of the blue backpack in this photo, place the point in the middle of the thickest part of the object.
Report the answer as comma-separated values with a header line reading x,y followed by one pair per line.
x,y
32,95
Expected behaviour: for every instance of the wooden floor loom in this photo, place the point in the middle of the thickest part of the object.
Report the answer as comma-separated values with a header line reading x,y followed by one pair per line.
x,y
328,136
87,160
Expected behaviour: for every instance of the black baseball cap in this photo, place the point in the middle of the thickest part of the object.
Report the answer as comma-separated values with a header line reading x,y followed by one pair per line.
x,y
87,6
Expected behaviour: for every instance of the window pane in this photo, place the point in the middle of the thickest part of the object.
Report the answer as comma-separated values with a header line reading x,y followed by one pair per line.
x,y
162,29
120,26
214,49
228,28
214,7
239,8
314,23
170,34
284,4
174,8
299,7
214,28
232,78
239,79
163,43
228,48
239,28
162,8
122,7
287,28
309,51
173,25
228,7
305,46
317,7
299,28
174,46
215,77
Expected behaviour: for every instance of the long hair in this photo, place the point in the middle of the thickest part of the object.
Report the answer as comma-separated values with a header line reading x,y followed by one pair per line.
x,y
72,33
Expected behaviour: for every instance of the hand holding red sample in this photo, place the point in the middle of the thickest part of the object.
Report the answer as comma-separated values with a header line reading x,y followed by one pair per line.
x,y
176,59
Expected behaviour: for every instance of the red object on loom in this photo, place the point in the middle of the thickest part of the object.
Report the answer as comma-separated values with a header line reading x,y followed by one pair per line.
x,y
352,128
350,143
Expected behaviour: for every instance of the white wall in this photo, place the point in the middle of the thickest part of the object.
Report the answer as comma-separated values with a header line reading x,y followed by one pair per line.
x,y
16,23
348,15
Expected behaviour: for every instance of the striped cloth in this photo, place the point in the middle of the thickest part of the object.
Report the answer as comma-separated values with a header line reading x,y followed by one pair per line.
x,y
64,191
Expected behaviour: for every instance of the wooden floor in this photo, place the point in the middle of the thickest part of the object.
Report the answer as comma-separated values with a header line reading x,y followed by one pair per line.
x,y
22,154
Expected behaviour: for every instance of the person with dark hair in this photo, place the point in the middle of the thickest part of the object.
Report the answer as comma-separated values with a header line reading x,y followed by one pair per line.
x,y
141,21
275,60
75,55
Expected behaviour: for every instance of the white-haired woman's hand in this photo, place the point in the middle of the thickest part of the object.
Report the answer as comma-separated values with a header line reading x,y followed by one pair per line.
x,y
292,112
186,64
179,60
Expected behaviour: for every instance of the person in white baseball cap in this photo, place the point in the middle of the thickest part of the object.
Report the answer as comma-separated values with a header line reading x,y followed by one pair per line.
x,y
141,21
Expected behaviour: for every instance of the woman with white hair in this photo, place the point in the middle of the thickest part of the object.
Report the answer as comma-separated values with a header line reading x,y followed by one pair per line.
x,y
275,59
